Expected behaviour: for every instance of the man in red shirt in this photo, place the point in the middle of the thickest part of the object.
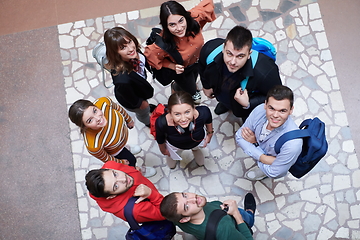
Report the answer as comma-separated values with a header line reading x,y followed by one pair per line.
x,y
113,185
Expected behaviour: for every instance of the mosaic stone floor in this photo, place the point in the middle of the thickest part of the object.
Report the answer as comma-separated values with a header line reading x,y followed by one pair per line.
x,y
325,204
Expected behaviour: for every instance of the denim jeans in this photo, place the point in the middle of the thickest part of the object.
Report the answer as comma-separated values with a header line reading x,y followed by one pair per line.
x,y
247,216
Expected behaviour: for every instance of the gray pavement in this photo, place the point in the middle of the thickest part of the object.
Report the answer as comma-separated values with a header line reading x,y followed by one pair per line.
x,y
43,162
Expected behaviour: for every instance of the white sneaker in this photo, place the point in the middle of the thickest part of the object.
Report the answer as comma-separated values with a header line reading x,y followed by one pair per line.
x,y
135,149
148,171
255,174
197,97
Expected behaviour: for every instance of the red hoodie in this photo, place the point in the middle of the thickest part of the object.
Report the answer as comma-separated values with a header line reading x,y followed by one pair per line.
x,y
145,211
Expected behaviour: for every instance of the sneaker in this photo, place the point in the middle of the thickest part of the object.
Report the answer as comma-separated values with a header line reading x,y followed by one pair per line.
x,y
148,171
249,202
220,109
255,174
135,149
197,97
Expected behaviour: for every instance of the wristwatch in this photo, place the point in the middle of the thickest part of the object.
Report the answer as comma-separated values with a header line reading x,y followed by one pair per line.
x,y
256,144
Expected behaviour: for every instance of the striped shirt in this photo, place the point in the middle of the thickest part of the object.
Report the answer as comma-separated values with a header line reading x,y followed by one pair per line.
x,y
107,142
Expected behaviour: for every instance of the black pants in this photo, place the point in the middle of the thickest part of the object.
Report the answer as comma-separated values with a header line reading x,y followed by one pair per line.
x,y
126,154
186,81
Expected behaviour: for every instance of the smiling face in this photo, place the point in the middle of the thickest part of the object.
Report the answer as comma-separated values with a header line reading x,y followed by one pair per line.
x,y
182,114
235,58
116,182
190,204
93,118
128,51
277,112
177,25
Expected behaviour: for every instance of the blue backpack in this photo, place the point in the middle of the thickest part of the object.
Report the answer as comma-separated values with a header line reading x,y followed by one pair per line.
x,y
264,46
258,45
149,230
315,146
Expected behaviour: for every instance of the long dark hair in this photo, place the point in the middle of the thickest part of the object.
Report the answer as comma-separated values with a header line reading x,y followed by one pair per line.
x,y
76,112
174,8
114,39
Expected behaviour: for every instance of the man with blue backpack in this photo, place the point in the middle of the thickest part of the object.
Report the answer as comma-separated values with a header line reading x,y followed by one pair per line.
x,y
270,136
261,130
236,74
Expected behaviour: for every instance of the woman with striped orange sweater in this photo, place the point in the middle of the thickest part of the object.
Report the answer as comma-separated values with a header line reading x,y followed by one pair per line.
x,y
104,125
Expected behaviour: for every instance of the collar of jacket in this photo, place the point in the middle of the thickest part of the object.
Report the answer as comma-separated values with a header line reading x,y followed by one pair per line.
x,y
245,71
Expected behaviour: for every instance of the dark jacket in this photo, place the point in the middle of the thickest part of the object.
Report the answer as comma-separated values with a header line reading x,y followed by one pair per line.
x,y
131,89
262,78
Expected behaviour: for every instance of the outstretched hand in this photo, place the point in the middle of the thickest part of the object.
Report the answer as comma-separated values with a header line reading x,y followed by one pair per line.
x,y
142,191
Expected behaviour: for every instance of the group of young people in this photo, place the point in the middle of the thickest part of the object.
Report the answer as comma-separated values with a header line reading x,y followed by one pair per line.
x,y
251,90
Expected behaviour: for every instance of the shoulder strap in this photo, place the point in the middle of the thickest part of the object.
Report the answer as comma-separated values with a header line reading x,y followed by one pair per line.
x,y
213,222
305,123
254,57
172,52
299,133
128,213
210,58
162,124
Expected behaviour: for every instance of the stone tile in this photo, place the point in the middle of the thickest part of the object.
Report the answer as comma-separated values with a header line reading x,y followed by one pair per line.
x,y
324,199
272,5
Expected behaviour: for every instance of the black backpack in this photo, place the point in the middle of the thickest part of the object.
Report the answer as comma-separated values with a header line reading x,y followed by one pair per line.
x,y
149,230
164,75
315,146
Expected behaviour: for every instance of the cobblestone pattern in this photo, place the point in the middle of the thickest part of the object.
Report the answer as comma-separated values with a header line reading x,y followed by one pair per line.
x,y
325,204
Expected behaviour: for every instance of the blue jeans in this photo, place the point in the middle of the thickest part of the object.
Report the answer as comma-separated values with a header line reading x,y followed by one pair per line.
x,y
247,216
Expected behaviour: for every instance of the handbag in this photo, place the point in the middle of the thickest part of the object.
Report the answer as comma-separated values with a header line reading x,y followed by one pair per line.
x,y
148,230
